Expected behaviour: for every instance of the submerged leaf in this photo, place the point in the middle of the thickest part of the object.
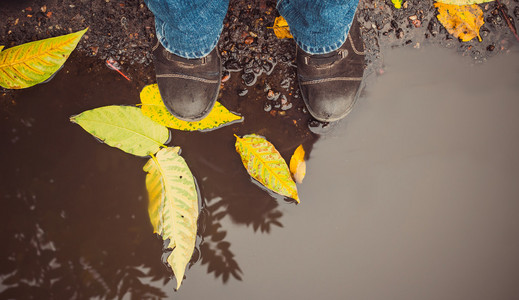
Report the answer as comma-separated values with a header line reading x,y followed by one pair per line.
x,y
462,22
173,206
281,29
264,163
397,3
32,63
124,127
153,107
463,2
298,164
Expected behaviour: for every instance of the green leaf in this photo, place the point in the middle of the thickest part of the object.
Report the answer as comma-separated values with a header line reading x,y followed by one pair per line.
x,y
264,163
124,127
173,206
32,63
463,2
397,3
154,108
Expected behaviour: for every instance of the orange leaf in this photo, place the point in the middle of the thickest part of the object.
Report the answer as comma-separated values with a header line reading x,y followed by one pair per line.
x,y
298,164
281,29
462,21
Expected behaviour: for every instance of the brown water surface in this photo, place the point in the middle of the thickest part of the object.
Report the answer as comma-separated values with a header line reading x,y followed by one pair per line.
x,y
413,196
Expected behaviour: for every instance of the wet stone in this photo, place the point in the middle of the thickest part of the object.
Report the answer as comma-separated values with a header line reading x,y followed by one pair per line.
x,y
272,96
286,106
285,83
242,92
249,79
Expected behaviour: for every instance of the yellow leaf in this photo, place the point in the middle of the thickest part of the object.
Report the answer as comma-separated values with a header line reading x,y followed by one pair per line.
x,y
462,22
397,3
281,29
1,48
153,107
123,127
32,63
463,2
264,163
298,164
173,206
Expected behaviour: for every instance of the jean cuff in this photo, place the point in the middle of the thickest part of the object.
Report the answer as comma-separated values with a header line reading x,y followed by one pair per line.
x,y
322,49
309,43
160,28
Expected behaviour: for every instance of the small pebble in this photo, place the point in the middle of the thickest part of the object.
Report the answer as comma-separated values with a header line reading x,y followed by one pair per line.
x,y
226,76
285,83
243,92
286,106
272,96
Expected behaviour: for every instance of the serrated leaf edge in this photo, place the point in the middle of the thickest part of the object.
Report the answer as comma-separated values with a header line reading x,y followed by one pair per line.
x,y
264,163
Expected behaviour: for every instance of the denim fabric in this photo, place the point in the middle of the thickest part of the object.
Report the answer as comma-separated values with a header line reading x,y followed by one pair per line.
x,y
318,26
191,28
188,28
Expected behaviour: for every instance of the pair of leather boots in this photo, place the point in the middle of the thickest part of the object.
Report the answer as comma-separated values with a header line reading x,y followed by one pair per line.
x,y
329,83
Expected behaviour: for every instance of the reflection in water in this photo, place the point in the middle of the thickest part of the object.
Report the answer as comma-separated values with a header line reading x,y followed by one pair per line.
x,y
228,190
74,217
215,250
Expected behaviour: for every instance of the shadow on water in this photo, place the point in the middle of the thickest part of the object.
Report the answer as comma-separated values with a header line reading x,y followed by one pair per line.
x,y
74,215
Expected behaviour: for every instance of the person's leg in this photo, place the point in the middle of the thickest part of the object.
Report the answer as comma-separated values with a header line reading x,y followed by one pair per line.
x,y
330,56
186,62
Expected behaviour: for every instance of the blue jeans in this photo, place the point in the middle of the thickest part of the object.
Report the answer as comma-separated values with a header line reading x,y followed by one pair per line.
x,y
191,28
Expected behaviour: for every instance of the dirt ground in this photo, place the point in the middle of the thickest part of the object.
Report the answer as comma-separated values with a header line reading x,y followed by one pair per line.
x,y
122,31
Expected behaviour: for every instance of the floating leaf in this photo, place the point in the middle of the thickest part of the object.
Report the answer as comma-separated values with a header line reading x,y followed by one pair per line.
x,y
32,63
463,2
298,164
173,206
264,163
397,3
461,21
124,127
281,29
153,107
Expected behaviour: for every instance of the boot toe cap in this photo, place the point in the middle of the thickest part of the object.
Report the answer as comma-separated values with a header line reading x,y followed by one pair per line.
x,y
188,100
328,102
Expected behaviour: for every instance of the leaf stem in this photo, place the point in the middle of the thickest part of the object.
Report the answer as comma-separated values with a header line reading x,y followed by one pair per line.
x,y
500,6
118,71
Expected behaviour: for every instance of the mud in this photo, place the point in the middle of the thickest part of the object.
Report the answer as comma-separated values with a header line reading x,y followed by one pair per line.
x,y
123,31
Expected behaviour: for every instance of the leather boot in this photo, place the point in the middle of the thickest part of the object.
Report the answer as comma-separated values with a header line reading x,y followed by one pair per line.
x,y
188,87
330,83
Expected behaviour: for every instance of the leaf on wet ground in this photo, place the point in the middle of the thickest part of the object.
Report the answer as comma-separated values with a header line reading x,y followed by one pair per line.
x,y
124,127
298,164
463,2
281,29
397,3
264,163
153,107
32,63
173,206
462,22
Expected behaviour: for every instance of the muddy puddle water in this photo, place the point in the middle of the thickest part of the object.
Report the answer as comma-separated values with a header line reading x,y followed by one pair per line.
x,y
413,196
